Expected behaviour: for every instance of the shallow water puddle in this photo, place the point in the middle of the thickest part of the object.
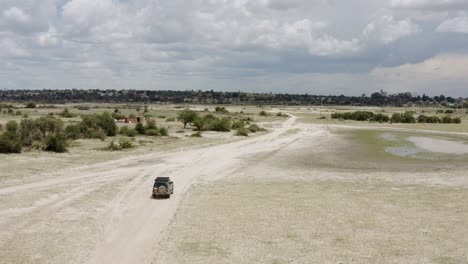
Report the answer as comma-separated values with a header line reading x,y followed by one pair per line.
x,y
439,145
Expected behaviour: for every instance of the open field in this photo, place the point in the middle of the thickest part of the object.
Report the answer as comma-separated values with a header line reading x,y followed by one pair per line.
x,y
309,190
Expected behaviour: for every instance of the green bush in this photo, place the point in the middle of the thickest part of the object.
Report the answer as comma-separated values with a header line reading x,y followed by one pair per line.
x,y
31,105
66,114
197,134
238,124
170,119
163,131
356,116
255,128
129,132
73,132
114,145
220,125
56,144
151,124
107,123
10,142
140,128
381,118
221,110
407,117
152,132
125,143
263,113
242,131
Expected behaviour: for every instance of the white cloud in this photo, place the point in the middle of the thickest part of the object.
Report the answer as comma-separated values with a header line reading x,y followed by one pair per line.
x,y
387,29
437,5
457,24
9,48
48,39
14,14
441,67
221,44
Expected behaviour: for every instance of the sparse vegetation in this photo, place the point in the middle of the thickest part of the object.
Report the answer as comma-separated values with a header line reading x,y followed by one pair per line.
x,y
242,131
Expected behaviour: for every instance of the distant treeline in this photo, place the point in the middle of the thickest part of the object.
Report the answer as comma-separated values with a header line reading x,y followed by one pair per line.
x,y
407,117
215,97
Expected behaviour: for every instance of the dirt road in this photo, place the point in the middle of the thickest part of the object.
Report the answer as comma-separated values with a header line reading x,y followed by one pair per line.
x,y
104,213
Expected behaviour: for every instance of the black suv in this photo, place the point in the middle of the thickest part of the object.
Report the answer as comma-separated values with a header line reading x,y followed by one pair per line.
x,y
163,186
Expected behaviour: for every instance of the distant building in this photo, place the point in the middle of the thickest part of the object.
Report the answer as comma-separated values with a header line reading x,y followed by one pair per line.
x,y
132,120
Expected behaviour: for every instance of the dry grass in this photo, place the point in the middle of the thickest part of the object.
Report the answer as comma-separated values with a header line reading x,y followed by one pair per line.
x,y
258,221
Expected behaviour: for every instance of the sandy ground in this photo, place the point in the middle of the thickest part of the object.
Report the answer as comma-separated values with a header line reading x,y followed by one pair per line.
x,y
104,213
274,198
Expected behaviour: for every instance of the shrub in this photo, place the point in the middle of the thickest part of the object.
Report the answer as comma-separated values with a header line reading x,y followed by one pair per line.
x,y
238,124
242,131
131,132
31,105
18,113
197,134
66,114
107,123
140,128
170,119
381,118
73,132
163,131
56,144
151,124
12,126
152,132
263,113
114,145
221,125
125,143
221,110
28,132
456,120
357,116
83,107
10,143
118,116
254,128
449,111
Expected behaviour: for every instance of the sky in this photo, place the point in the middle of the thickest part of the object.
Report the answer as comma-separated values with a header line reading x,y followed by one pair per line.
x,y
349,47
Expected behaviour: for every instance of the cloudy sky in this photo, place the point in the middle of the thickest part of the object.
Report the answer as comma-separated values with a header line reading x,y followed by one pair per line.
x,y
298,46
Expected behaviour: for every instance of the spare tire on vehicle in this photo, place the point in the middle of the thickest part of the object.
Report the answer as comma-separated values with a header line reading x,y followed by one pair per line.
x,y
162,189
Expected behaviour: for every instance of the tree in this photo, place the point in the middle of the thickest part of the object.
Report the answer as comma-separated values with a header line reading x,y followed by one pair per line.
x,y
187,116
199,123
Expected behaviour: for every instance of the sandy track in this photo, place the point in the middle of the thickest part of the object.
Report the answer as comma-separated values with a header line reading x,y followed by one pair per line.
x,y
130,221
